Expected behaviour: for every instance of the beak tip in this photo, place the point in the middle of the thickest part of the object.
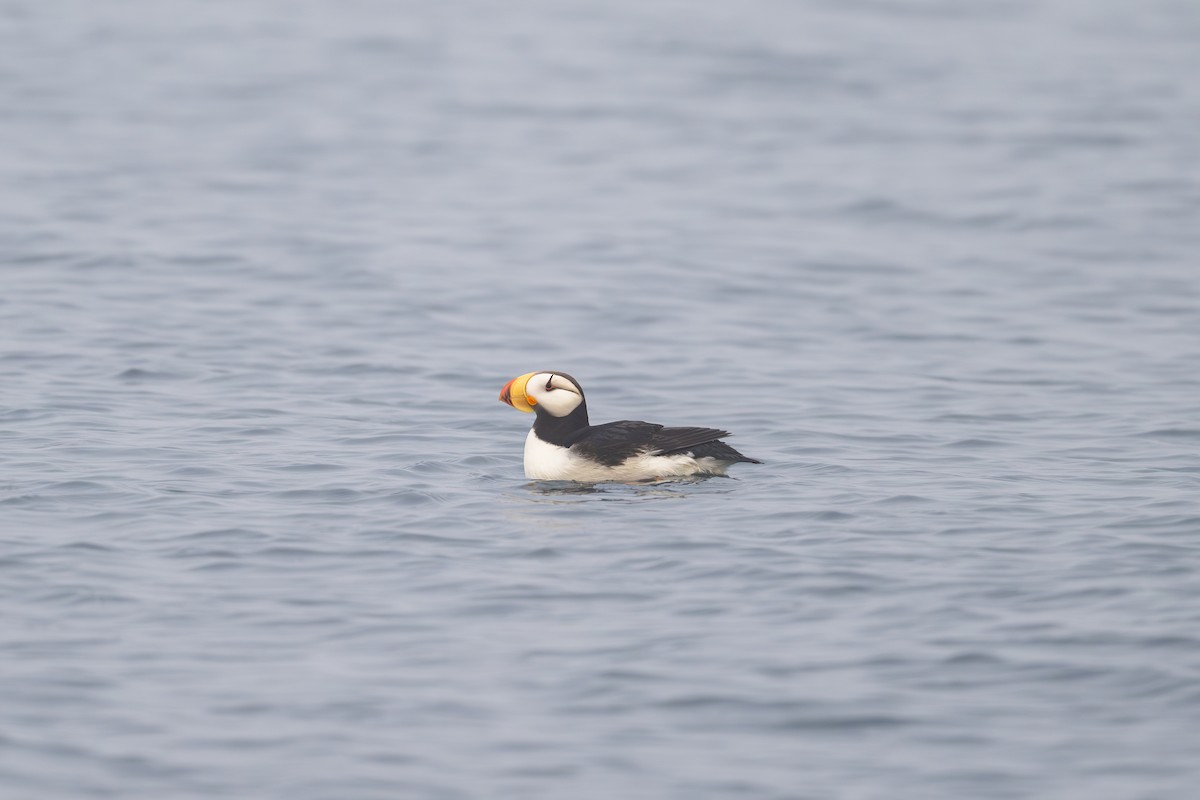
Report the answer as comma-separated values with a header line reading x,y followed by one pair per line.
x,y
506,393
521,402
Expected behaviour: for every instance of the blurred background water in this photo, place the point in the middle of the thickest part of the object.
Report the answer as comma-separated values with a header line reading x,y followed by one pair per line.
x,y
265,265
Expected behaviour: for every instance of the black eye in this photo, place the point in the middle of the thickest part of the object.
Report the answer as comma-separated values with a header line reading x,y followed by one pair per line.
x,y
550,380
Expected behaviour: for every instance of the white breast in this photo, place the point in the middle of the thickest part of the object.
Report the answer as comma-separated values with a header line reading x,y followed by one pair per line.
x,y
551,462
547,462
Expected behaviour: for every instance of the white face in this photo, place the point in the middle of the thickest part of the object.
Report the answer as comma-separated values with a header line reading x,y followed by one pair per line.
x,y
554,393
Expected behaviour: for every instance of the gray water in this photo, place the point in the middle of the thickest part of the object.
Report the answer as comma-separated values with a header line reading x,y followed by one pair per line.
x,y
265,265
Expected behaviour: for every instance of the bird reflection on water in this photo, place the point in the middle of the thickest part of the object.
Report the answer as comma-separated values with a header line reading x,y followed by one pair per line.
x,y
675,488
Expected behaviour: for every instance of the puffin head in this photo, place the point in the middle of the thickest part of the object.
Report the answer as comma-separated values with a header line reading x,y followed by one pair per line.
x,y
553,393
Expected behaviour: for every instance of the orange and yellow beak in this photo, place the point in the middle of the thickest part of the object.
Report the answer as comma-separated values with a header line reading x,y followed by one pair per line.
x,y
513,393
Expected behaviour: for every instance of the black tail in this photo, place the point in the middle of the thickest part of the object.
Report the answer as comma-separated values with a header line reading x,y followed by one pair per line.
x,y
720,451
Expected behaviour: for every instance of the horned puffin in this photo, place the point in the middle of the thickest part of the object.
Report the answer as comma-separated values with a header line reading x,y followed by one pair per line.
x,y
562,446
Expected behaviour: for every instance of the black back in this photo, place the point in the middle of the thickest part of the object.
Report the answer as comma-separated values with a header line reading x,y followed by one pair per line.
x,y
614,442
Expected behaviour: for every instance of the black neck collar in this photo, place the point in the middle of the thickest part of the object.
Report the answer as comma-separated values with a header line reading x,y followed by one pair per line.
x,y
560,430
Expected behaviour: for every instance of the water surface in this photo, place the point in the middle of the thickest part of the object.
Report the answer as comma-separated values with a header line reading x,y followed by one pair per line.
x,y
265,267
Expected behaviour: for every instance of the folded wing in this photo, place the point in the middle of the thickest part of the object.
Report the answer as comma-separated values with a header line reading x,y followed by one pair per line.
x,y
615,442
